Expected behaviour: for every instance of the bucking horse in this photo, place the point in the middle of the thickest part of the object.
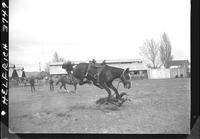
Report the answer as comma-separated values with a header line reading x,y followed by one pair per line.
x,y
106,77
68,79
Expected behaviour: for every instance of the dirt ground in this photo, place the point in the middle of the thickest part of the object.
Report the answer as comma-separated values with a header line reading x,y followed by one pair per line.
x,y
156,106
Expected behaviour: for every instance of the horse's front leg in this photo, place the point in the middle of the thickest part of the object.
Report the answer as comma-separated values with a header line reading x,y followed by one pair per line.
x,y
97,85
110,85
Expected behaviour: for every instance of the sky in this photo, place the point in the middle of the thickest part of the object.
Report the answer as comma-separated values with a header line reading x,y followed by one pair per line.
x,y
101,29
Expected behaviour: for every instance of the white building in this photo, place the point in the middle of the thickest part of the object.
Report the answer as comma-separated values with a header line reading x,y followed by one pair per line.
x,y
16,72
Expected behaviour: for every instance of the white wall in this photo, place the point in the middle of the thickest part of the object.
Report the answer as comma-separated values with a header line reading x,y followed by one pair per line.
x,y
158,73
57,70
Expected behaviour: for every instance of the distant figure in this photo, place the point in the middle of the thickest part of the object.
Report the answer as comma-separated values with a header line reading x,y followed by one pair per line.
x,y
51,83
32,83
68,79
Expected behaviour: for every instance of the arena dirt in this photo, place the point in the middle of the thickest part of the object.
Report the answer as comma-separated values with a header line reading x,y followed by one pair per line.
x,y
156,106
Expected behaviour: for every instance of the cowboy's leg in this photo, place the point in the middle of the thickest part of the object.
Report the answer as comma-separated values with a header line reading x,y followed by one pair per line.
x,y
98,73
98,77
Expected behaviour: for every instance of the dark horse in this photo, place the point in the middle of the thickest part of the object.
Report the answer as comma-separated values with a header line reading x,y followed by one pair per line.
x,y
68,79
106,77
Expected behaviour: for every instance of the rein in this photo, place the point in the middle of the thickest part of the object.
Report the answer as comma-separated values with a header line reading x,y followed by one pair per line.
x,y
122,79
122,76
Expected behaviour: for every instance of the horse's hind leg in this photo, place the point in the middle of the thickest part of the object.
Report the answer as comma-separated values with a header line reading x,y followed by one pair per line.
x,y
61,86
107,89
66,88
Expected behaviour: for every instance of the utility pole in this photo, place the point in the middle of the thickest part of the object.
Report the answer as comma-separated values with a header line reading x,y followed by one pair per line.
x,y
39,67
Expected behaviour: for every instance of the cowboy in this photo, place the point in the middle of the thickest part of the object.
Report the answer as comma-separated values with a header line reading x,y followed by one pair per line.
x,y
99,67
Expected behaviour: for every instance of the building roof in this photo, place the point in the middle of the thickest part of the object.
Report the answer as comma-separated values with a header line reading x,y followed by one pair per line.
x,y
124,61
11,66
117,61
19,68
179,63
131,66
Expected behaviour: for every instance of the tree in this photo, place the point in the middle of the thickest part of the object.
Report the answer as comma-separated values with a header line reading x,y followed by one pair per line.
x,y
150,51
56,58
165,51
47,67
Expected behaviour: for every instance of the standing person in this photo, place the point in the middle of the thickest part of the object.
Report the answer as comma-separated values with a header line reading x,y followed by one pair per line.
x,y
32,83
51,83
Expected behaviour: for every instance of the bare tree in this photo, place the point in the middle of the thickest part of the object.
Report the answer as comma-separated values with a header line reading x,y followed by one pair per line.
x,y
149,50
56,58
165,51
47,67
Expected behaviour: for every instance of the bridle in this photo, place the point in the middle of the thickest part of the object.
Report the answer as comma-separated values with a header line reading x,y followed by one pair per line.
x,y
123,78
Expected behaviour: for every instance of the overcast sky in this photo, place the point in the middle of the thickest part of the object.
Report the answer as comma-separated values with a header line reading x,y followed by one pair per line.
x,y
100,29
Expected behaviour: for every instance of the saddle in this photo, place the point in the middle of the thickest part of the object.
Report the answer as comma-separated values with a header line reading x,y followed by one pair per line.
x,y
98,66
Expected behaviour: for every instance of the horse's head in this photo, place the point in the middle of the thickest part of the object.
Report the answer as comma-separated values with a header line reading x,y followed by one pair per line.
x,y
126,79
